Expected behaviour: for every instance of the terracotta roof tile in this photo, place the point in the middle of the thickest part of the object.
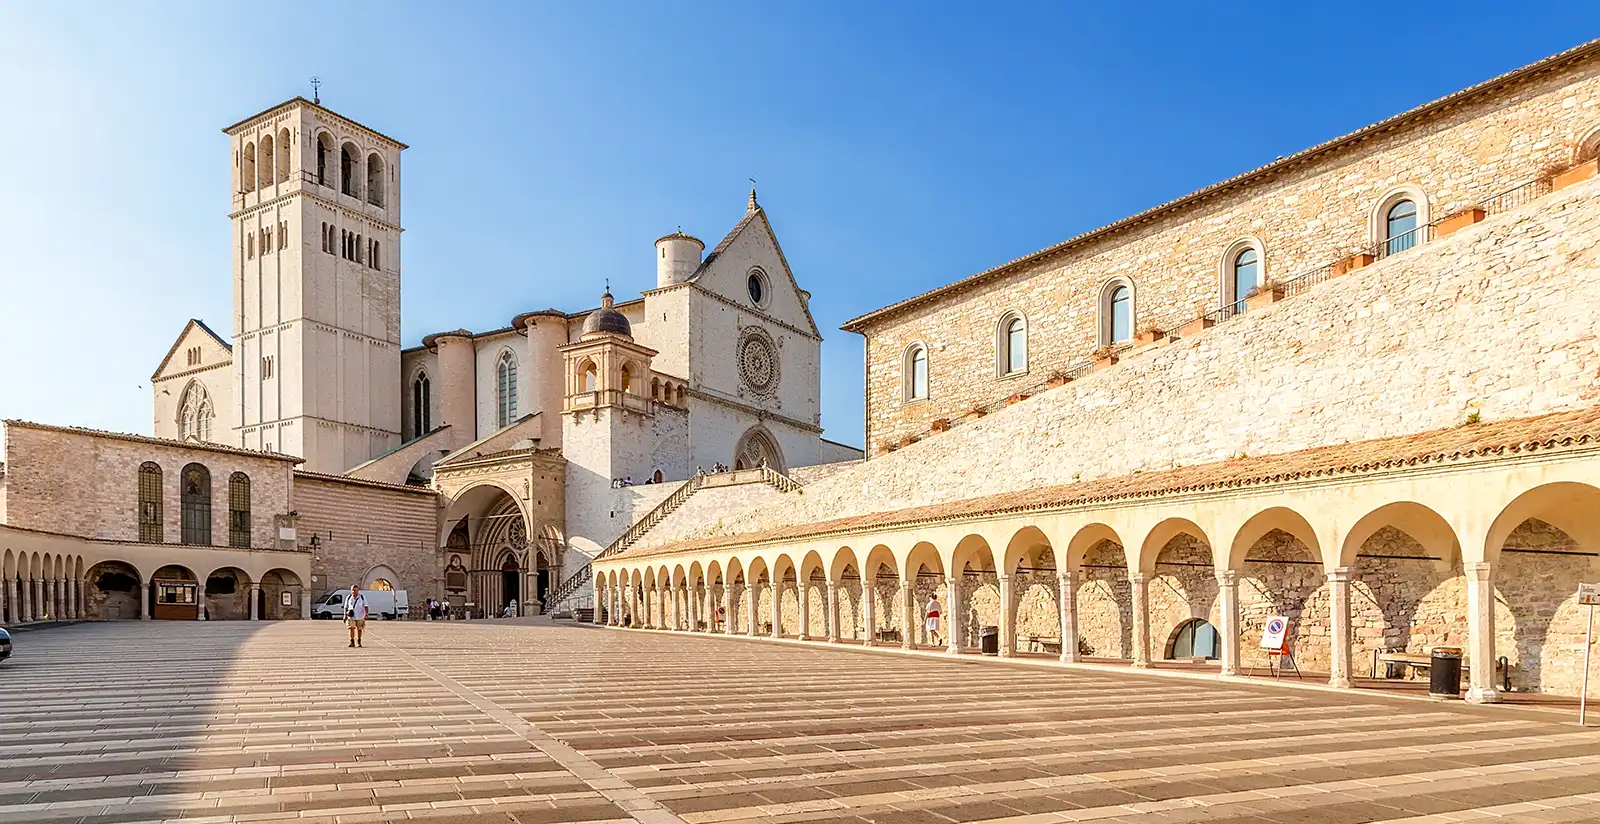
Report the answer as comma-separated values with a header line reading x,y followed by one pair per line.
x,y
1480,441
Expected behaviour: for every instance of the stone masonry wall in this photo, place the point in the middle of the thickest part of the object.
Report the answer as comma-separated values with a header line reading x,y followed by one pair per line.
x,y
360,526
1304,217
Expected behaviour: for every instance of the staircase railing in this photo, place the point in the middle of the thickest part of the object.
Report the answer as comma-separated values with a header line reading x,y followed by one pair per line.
x,y
574,582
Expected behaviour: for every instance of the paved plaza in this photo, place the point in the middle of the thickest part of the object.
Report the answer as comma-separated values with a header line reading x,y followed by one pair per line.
x,y
528,722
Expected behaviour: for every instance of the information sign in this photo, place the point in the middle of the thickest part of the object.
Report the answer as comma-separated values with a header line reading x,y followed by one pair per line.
x,y
1589,595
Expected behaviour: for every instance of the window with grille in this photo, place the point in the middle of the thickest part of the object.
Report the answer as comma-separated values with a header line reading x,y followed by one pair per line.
x,y
150,503
195,505
239,510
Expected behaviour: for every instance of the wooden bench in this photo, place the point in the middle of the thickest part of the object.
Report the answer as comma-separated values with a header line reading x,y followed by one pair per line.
x,y
889,636
1419,664
1040,643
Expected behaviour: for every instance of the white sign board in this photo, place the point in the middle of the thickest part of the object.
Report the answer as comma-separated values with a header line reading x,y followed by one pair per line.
x,y
288,599
1589,595
1273,633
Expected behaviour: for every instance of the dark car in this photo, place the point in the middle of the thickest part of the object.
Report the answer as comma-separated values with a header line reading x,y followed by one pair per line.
x,y
5,645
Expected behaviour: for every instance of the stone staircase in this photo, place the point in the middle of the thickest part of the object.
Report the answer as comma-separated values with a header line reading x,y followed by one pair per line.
x,y
560,602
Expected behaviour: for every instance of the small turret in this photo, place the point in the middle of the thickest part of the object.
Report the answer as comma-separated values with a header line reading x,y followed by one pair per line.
x,y
677,258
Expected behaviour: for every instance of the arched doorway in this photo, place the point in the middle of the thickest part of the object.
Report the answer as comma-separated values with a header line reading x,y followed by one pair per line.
x,y
510,582
112,590
174,594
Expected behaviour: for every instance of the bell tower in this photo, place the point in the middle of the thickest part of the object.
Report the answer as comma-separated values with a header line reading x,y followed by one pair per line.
x,y
608,408
316,285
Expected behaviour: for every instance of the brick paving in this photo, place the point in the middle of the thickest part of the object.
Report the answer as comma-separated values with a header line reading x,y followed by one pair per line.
x,y
492,722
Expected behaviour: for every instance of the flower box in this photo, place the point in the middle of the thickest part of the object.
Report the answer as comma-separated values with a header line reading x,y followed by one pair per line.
x,y
941,424
1149,336
1017,398
1263,298
1196,326
1105,360
1058,381
1575,175
1459,221
1359,260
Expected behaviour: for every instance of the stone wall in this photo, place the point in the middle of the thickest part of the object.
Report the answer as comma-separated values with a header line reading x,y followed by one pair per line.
x,y
361,525
1305,216
1375,353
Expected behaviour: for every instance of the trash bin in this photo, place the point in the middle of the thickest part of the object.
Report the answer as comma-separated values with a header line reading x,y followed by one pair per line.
x,y
1444,673
990,638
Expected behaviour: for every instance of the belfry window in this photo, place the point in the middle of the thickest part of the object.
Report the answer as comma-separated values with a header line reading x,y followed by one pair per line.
x,y
505,390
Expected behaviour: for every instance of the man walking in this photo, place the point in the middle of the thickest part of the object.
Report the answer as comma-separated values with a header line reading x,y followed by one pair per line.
x,y
930,619
355,615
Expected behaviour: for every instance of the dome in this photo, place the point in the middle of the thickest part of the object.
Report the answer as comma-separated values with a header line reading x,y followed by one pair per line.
x,y
607,320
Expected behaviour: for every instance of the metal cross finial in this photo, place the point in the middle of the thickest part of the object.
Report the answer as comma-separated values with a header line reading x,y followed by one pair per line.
x,y
316,86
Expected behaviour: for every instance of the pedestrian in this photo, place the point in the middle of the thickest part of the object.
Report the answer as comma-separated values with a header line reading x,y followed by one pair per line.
x,y
930,618
355,615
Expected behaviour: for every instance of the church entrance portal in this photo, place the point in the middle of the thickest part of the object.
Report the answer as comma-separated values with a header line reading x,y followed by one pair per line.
x,y
510,583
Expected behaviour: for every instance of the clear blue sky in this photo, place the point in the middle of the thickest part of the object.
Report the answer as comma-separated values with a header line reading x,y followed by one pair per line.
x,y
898,145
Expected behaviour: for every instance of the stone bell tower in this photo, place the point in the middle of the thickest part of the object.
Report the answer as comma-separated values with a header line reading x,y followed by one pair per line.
x,y
607,413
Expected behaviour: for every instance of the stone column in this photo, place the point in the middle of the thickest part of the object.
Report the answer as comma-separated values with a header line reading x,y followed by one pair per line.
x,y
83,599
678,609
41,608
1067,601
599,603
727,607
777,609
25,612
54,590
710,607
802,588
752,593
1228,604
5,605
254,596
908,616
833,613
952,614
869,613
1141,619
1008,618
1480,634
144,601
72,599
1340,669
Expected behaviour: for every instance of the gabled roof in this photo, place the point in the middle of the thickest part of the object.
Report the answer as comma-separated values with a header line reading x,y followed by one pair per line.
x,y
755,214
297,100
1572,55
1458,444
193,323
146,439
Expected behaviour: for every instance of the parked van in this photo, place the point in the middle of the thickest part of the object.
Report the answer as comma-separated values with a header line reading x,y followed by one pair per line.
x,y
387,604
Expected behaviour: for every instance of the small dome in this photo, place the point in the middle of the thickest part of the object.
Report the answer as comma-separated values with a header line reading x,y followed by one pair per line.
x,y
607,320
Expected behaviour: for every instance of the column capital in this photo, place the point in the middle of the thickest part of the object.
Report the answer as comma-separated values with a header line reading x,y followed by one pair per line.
x,y
1340,575
1139,578
1066,576
1479,571
1003,577
1228,577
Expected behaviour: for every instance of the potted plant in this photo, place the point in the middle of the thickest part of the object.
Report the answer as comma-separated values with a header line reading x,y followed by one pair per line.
x,y
1059,378
941,424
1201,321
1265,293
1104,357
1150,334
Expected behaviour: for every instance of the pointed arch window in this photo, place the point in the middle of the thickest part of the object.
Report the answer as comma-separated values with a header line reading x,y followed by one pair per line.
x,y
195,414
421,406
505,390
239,510
150,502
195,504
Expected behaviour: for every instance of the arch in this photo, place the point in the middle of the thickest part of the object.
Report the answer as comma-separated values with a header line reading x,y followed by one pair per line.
x,y
757,448
588,375
505,389
1160,537
627,377
1277,517
350,169
226,592
239,510
655,389
1424,525
194,499
381,578
1388,238
247,168
268,163
285,148
1588,147
325,159
421,405
272,605
112,588
1011,344
914,373
1104,593
150,503
1566,505
195,413
1242,267
1085,539
375,179
680,396
174,593
1117,311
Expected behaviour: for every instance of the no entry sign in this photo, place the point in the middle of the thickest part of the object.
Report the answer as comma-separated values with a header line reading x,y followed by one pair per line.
x,y
1273,635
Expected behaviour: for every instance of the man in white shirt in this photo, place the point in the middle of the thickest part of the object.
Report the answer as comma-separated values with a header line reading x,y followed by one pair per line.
x,y
355,615
930,618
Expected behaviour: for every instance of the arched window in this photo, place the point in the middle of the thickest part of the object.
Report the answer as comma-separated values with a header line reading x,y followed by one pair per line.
x,y
627,377
375,179
195,413
250,247
758,448
680,395
1244,275
506,390
421,406
239,510
194,498
1196,639
268,161
372,260
284,145
1116,313
247,169
150,502
1400,227
591,377
1011,350
324,157
915,385
349,166
361,254
326,246
655,388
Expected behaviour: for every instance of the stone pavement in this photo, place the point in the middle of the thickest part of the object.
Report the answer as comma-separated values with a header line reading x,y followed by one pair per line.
x,y
495,722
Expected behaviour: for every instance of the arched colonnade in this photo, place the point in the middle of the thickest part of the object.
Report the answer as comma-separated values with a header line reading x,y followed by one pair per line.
x,y
1481,554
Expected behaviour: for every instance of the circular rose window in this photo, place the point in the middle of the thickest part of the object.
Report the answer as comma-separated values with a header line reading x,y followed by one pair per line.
x,y
758,364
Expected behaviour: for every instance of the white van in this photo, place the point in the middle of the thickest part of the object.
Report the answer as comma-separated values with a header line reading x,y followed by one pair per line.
x,y
386,604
